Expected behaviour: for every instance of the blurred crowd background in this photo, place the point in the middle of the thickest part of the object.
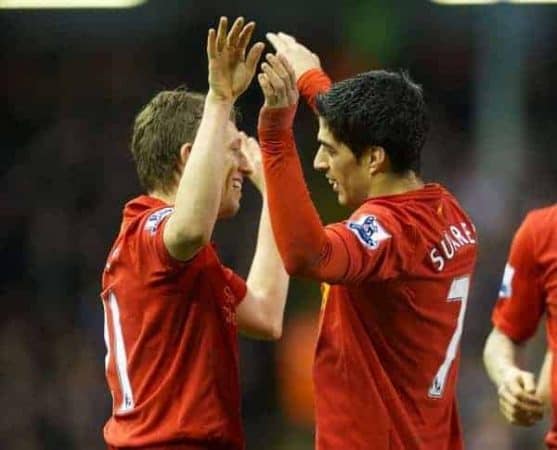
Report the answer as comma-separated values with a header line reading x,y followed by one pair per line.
x,y
70,85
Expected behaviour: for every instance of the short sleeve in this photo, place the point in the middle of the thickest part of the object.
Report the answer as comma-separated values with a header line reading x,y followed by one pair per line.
x,y
379,246
150,239
521,303
236,284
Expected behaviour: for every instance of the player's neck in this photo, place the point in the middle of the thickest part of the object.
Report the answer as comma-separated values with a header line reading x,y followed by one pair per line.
x,y
168,198
392,184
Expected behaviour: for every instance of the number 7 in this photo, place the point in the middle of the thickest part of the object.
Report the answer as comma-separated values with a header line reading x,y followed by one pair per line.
x,y
458,292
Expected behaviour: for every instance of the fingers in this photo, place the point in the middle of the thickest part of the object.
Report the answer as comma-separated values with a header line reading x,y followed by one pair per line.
x,y
521,400
276,42
212,43
289,68
517,401
234,33
253,56
245,36
286,38
283,70
520,417
278,67
278,82
237,38
274,79
528,382
221,33
514,388
266,87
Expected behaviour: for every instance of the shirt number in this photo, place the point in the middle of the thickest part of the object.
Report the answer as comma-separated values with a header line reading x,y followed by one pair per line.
x,y
458,292
117,350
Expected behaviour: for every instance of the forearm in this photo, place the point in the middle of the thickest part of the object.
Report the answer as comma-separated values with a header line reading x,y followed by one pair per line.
x,y
298,230
544,380
267,277
200,188
499,355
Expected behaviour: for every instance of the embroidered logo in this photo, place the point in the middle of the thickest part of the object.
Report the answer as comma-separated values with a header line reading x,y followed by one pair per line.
x,y
155,219
369,231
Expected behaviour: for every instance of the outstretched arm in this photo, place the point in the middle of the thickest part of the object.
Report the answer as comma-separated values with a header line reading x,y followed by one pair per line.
x,y
306,248
198,196
310,77
261,312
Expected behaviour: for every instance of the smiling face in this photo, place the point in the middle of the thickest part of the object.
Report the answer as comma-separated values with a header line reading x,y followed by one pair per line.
x,y
237,167
349,177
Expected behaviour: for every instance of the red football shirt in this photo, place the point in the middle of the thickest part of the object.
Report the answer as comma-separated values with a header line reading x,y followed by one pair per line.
x,y
529,289
172,360
387,356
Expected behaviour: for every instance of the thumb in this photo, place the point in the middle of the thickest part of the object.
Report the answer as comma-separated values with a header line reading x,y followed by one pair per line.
x,y
528,382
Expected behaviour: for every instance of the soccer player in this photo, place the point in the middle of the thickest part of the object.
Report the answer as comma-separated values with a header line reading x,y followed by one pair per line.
x,y
528,292
396,274
172,308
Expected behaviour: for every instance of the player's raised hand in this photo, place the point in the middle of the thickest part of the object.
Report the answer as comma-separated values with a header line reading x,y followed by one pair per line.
x,y
300,57
231,65
252,152
278,82
518,401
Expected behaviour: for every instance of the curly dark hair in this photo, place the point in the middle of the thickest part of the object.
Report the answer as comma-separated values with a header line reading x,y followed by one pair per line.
x,y
378,108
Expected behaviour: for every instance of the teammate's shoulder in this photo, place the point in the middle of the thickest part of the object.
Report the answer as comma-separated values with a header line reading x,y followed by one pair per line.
x,y
541,218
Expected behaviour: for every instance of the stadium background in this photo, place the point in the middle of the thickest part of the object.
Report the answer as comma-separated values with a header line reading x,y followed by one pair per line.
x,y
70,83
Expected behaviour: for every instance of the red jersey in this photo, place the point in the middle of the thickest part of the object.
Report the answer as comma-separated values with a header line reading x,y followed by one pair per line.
x,y
387,356
398,275
529,289
172,360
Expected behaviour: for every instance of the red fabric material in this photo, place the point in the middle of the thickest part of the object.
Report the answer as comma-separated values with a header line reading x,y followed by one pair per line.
x,y
311,84
177,320
531,291
387,321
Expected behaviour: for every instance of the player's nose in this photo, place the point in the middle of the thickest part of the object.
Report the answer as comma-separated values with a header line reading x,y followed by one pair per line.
x,y
320,162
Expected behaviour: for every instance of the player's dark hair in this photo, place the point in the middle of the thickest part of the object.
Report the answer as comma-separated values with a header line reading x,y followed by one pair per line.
x,y
378,108
167,122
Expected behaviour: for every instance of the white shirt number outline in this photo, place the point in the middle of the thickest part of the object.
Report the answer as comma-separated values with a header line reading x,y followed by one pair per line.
x,y
458,292
119,352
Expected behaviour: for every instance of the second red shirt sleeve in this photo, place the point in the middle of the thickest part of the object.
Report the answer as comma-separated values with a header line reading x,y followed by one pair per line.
x,y
521,303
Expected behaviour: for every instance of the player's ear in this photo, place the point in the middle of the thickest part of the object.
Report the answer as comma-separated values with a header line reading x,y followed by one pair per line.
x,y
182,160
376,159
185,153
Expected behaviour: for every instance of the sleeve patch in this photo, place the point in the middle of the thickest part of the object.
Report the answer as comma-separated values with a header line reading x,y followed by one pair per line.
x,y
156,218
369,231
506,289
